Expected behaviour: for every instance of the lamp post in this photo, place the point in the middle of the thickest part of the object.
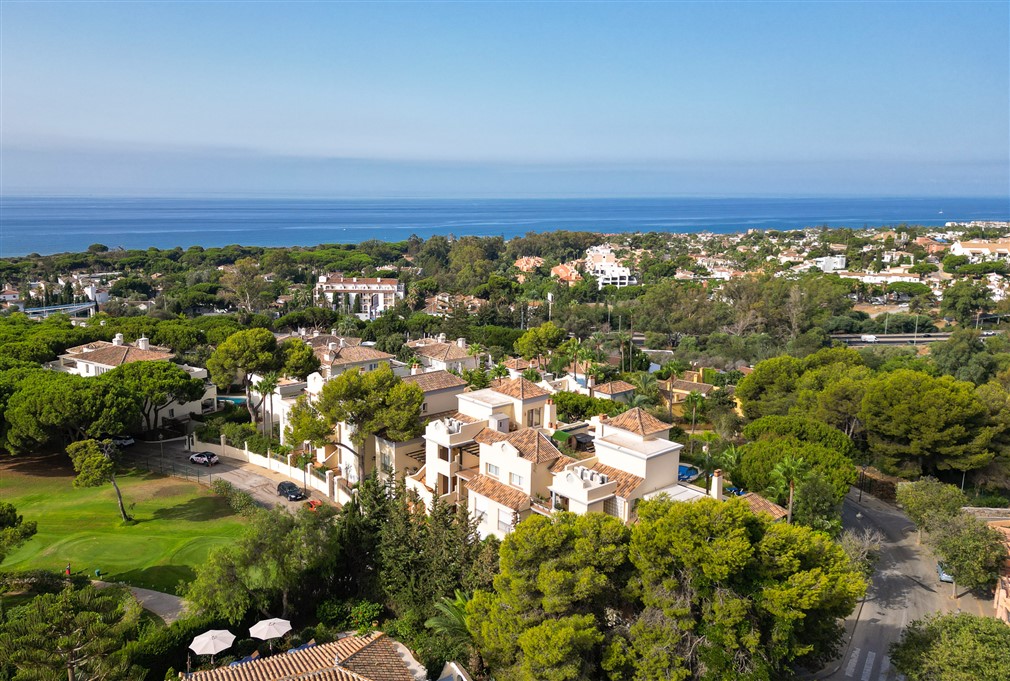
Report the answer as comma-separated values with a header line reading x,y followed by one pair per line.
x,y
862,480
161,446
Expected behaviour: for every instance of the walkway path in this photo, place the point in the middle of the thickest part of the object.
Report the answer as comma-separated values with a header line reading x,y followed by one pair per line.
x,y
166,606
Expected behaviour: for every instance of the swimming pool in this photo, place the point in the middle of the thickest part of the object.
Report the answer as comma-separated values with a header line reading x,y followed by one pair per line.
x,y
233,400
687,473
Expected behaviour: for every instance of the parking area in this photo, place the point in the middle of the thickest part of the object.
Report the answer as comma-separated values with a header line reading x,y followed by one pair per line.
x,y
259,482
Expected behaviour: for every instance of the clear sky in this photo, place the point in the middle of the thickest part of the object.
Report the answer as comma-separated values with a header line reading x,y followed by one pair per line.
x,y
505,99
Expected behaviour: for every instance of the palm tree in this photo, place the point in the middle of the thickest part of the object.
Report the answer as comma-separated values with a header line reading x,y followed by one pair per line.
x,y
266,386
450,622
695,400
475,350
729,461
646,384
709,461
499,371
639,400
786,474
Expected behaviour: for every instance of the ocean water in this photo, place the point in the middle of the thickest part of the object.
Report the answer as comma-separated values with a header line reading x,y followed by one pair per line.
x,y
54,225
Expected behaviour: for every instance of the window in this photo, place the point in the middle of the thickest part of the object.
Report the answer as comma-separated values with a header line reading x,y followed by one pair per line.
x,y
492,470
610,507
387,462
516,480
479,508
533,418
424,407
505,519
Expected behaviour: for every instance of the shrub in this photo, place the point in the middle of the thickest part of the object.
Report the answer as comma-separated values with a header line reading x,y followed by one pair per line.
x,y
240,501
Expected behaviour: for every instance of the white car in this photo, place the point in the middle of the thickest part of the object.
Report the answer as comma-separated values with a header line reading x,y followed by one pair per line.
x,y
122,440
204,458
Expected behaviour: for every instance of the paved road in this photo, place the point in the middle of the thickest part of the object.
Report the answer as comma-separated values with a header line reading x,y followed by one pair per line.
x,y
259,482
904,588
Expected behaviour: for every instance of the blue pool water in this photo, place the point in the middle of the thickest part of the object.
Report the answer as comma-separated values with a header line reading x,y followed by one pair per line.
x,y
233,400
687,473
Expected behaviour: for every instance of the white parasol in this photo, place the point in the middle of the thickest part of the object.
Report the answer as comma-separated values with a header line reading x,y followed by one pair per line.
x,y
274,627
212,642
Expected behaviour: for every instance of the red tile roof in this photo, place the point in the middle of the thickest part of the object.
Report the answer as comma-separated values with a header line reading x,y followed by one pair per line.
x,y
435,380
638,421
514,498
759,504
614,388
519,388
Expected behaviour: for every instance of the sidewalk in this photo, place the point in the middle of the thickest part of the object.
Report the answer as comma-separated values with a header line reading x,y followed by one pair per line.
x,y
166,606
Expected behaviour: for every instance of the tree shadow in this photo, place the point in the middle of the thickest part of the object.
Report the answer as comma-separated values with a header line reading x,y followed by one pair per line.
x,y
57,465
194,510
163,578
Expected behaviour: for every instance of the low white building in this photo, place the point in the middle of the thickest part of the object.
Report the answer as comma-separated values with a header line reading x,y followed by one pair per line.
x,y
435,354
981,251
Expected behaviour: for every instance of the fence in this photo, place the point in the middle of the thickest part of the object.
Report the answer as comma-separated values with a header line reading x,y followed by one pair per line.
x,y
334,487
169,466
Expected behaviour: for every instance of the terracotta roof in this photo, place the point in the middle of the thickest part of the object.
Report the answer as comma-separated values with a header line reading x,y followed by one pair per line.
x,y
531,444
519,388
691,386
559,464
516,499
354,354
440,351
108,354
361,658
759,504
614,388
517,364
638,421
435,380
325,339
626,482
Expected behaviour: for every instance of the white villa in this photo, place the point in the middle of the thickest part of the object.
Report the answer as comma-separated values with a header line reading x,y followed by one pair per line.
x,y
435,354
376,295
602,264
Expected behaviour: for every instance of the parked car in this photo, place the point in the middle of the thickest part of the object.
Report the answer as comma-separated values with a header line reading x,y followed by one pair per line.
x,y
290,491
122,440
204,458
941,572
313,504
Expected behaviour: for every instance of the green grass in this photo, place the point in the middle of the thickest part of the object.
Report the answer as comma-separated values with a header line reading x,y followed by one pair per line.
x,y
177,524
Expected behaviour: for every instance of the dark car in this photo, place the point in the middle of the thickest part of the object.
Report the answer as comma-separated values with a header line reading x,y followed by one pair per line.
x,y
290,491
204,458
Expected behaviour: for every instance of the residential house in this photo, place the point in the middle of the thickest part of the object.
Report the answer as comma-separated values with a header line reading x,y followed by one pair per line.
x,y
435,354
830,263
337,357
446,304
931,245
981,251
373,657
374,295
451,448
620,391
633,459
566,273
9,297
673,392
98,357
441,389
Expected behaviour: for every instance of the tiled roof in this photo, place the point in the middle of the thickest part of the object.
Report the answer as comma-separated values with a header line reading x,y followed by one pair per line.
x,y
531,444
638,421
517,364
516,499
691,386
354,354
626,482
519,388
559,463
108,354
435,380
439,351
353,658
614,388
759,504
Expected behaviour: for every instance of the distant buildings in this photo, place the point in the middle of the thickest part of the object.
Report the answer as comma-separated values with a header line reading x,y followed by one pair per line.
x,y
369,297
981,251
604,266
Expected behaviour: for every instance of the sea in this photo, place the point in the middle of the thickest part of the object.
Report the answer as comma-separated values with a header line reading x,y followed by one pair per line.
x,y
58,224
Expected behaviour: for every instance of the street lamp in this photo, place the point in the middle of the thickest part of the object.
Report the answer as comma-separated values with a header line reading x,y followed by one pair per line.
x,y
161,445
862,479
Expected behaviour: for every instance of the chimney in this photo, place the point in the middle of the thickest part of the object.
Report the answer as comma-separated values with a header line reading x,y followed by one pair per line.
x,y
599,428
715,491
315,332
416,369
143,343
551,414
333,332
117,339
441,338
332,346
461,343
343,342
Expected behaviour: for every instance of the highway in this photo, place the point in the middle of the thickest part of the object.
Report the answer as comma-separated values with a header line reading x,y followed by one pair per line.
x,y
905,587
856,339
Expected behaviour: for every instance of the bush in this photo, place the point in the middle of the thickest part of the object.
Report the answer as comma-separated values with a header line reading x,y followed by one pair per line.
x,y
240,501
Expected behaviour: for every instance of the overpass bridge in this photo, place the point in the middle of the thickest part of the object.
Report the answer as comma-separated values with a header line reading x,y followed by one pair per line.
x,y
73,309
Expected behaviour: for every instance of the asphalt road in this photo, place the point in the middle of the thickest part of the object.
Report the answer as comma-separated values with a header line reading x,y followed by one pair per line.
x,y
905,587
259,482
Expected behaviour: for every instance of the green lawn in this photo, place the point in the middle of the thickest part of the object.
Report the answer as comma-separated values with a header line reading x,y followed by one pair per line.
x,y
177,524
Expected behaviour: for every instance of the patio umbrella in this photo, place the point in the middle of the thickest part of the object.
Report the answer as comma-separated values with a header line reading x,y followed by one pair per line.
x,y
212,642
274,627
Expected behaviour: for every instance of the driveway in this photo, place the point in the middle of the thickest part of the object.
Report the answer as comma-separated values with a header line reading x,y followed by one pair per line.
x,y
259,482
905,587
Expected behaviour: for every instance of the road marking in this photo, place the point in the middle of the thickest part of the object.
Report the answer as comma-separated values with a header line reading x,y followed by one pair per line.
x,y
850,669
885,668
868,667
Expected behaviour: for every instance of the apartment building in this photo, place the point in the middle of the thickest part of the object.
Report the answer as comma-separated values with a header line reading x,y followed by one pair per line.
x,y
372,296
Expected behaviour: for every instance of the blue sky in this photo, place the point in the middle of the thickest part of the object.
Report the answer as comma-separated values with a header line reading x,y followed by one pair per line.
x,y
505,99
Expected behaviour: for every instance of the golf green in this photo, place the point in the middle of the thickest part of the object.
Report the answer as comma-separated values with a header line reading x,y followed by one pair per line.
x,y
177,524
